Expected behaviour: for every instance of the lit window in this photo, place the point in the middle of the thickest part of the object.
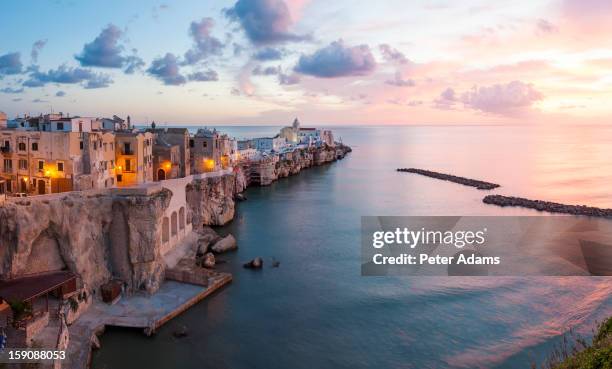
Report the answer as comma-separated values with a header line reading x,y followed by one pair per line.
x,y
60,166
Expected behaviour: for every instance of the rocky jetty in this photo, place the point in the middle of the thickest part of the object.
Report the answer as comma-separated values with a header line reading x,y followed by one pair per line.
x,y
551,207
481,185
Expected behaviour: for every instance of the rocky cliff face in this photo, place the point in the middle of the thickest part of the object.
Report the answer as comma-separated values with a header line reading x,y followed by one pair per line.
x,y
95,237
103,236
291,164
211,200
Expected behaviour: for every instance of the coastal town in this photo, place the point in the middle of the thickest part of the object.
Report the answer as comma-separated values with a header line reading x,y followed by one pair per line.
x,y
107,223
57,152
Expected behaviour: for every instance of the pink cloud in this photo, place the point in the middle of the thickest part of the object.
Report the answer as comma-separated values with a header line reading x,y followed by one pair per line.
x,y
504,99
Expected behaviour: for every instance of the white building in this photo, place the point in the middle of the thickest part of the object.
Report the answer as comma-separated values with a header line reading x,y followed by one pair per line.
x,y
269,143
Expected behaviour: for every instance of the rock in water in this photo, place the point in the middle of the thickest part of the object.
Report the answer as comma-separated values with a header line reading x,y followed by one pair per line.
x,y
225,244
209,260
240,197
256,263
181,332
275,263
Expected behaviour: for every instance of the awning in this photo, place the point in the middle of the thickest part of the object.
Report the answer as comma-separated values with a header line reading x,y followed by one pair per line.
x,y
30,287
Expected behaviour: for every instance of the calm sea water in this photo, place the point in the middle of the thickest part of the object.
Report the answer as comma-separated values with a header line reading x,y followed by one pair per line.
x,y
316,311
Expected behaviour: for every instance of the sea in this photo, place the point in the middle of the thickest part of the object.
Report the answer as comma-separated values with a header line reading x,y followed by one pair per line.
x,y
316,310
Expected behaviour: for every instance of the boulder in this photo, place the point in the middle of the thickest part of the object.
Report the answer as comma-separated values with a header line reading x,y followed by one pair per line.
x,y
227,243
256,263
209,260
181,332
240,197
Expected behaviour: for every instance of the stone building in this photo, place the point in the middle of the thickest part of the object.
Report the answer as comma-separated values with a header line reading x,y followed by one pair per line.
x,y
205,151
133,158
166,160
179,137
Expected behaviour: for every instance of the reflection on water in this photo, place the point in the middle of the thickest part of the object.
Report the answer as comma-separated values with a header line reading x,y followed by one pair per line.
x,y
316,311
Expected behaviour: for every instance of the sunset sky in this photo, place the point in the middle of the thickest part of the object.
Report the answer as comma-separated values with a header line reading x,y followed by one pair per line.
x,y
328,62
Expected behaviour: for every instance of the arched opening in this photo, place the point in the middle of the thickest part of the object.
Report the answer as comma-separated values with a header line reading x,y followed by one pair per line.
x,y
182,218
161,175
165,230
23,185
173,223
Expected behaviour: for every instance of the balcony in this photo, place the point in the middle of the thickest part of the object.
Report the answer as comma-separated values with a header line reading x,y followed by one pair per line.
x,y
5,149
127,152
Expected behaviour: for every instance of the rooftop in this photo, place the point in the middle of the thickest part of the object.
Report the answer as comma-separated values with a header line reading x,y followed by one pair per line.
x,y
29,287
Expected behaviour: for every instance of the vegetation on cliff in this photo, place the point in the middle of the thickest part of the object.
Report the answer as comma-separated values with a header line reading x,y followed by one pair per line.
x,y
581,354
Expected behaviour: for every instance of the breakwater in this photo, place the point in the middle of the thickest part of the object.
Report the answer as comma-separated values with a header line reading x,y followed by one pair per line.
x,y
481,185
551,207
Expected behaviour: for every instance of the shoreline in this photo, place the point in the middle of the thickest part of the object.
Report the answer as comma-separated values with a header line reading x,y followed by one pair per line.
x,y
338,153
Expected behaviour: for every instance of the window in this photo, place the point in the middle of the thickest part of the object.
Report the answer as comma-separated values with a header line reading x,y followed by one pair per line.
x,y
34,146
173,223
60,126
126,148
8,165
23,164
41,165
60,166
95,145
191,143
128,165
81,145
7,144
204,144
22,146
119,177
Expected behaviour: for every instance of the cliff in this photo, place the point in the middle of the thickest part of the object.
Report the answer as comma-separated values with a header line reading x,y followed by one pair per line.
x,y
211,200
103,235
117,233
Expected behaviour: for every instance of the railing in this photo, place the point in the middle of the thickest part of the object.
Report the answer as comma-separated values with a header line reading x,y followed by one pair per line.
x,y
127,152
5,149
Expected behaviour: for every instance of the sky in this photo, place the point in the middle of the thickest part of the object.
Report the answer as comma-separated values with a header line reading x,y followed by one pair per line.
x,y
253,62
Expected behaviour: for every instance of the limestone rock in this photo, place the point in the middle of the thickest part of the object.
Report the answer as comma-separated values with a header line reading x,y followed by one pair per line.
x,y
225,244
209,260
256,263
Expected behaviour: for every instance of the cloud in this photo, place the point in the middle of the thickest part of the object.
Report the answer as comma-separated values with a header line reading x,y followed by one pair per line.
x,y
132,64
400,82
267,71
98,81
392,55
447,99
234,91
205,44
264,21
167,70
10,64
106,52
237,49
209,75
544,26
288,79
267,54
60,94
36,49
337,60
39,101
503,99
68,75
10,90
